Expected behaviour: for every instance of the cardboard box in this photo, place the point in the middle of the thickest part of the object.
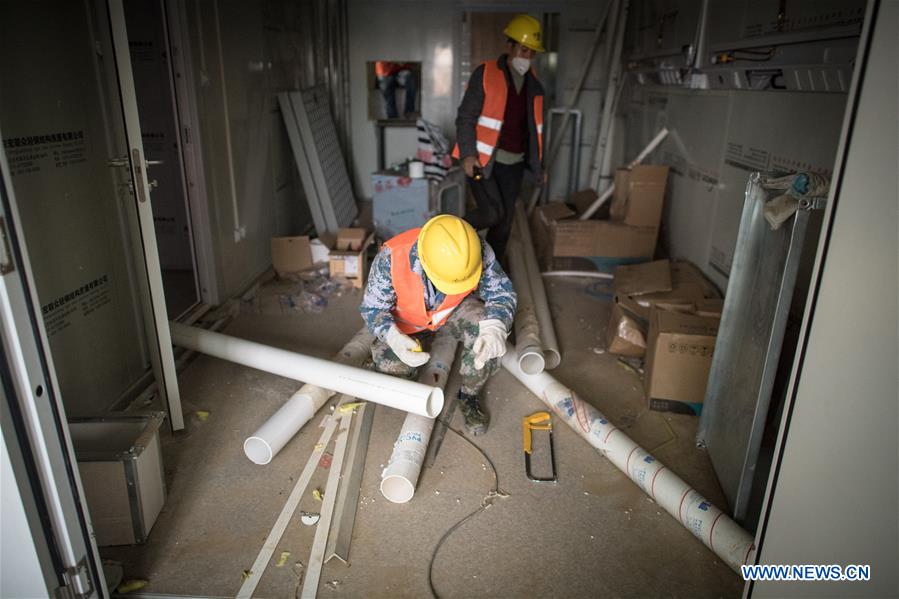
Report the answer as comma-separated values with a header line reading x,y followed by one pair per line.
x,y
689,287
350,264
640,279
678,359
629,236
120,463
350,239
626,335
291,254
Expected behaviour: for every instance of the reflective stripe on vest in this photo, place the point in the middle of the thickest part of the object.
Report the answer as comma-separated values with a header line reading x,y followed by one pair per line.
x,y
490,122
410,312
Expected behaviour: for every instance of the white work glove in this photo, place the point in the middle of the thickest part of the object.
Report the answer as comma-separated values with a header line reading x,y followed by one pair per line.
x,y
491,342
406,348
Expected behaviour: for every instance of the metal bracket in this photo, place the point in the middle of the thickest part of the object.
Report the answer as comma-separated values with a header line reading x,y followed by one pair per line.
x,y
813,203
77,581
7,265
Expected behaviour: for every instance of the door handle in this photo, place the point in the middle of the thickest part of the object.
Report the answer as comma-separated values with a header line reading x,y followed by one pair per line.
x,y
120,162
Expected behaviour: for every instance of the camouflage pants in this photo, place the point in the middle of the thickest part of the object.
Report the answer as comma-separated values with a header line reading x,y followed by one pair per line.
x,y
463,325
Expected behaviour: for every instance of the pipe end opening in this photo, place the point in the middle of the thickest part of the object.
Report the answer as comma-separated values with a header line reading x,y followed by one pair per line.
x,y
258,451
552,358
434,403
532,363
397,489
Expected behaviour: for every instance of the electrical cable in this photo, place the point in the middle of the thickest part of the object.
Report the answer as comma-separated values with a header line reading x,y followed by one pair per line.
x,y
485,503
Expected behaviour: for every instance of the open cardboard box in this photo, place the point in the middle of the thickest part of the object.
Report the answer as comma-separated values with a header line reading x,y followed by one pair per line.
x,y
673,286
347,259
345,254
628,236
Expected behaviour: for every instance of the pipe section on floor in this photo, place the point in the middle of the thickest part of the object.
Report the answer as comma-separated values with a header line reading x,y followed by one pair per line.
x,y
390,391
707,523
551,355
263,445
528,347
400,478
589,274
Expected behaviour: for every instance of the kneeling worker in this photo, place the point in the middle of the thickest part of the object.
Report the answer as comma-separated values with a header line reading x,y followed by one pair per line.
x,y
432,277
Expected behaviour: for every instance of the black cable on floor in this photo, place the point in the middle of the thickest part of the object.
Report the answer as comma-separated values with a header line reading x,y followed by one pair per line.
x,y
485,503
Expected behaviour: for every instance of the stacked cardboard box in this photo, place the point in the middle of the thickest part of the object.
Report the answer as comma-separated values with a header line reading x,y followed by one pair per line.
x,y
628,236
667,312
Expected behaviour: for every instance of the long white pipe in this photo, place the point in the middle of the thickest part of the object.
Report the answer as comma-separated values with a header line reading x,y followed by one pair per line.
x,y
528,348
263,445
590,274
390,391
598,202
400,477
708,523
551,355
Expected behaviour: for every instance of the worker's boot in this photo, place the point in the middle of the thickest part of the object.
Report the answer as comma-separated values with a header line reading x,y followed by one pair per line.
x,y
476,419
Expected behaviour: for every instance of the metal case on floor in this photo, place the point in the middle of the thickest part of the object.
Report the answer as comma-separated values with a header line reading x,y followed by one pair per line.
x,y
120,461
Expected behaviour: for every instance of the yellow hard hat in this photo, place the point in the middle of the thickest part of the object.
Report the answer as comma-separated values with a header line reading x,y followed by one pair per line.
x,y
526,30
450,253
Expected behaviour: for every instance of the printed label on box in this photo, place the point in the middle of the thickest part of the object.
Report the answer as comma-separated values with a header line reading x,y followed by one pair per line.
x,y
351,266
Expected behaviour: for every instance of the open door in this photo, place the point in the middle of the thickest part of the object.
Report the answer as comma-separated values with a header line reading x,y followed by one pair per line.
x,y
155,313
80,184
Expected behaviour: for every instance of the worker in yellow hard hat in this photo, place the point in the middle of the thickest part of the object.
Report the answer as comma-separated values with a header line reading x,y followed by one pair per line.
x,y
499,130
440,275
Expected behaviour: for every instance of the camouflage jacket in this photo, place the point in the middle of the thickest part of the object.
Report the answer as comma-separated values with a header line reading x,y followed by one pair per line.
x,y
494,288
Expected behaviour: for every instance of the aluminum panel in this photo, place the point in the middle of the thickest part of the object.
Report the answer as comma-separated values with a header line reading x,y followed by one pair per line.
x,y
758,298
325,158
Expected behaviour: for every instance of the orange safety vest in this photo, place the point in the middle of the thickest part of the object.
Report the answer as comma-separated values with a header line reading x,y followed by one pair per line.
x,y
410,313
491,120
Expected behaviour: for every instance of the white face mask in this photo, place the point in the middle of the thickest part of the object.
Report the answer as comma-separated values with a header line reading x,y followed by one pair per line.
x,y
521,65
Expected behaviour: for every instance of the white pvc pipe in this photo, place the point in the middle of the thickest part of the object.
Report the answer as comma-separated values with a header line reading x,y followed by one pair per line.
x,y
598,202
707,523
400,477
263,445
551,355
590,274
390,391
528,348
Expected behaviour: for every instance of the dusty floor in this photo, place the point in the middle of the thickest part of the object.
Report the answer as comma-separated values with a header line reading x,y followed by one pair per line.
x,y
594,534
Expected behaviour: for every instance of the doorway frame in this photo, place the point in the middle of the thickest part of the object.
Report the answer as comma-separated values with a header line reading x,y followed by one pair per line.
x,y
175,24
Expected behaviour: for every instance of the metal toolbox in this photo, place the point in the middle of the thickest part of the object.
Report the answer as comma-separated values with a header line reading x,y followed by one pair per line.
x,y
120,461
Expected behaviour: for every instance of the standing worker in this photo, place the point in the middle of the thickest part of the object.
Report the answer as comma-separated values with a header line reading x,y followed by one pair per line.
x,y
431,277
499,130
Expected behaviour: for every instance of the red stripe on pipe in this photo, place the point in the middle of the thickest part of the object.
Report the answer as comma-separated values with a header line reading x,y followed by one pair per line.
x,y
652,488
627,464
609,434
681,506
712,530
748,551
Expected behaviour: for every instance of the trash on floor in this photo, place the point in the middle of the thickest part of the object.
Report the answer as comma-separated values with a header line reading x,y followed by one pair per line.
x,y
129,586
305,292
309,519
